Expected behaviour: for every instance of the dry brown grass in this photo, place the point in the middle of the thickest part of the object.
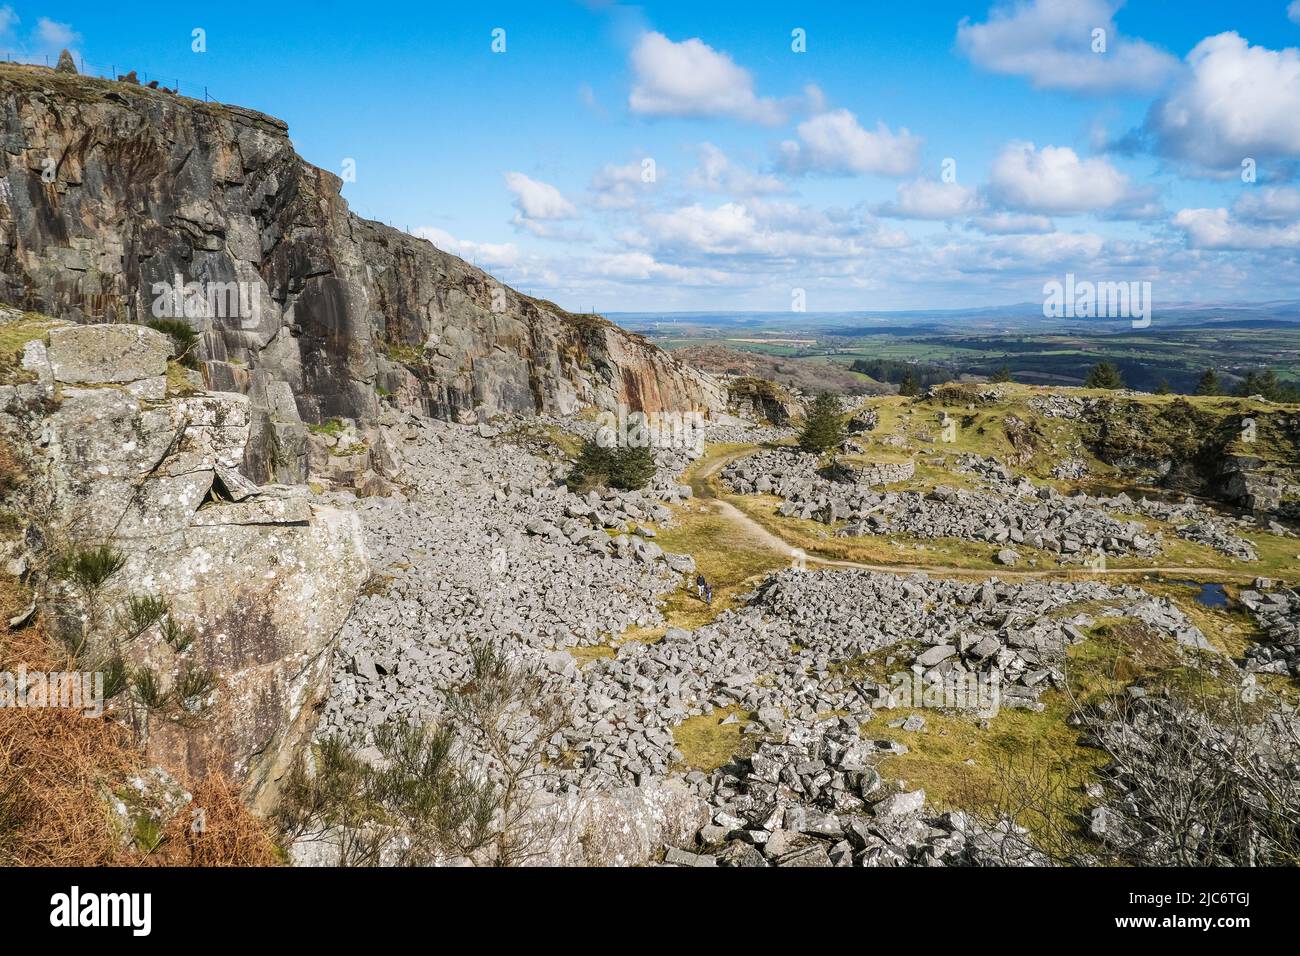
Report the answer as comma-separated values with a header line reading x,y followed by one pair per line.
x,y
59,772
231,835
11,470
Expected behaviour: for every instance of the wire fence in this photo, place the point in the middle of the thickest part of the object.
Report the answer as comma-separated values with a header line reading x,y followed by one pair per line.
x,y
160,80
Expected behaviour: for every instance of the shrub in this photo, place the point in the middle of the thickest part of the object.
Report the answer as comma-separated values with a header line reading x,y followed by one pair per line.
x,y
117,677
625,467
178,637
147,689
823,430
1209,383
192,685
632,467
422,804
592,466
90,568
185,341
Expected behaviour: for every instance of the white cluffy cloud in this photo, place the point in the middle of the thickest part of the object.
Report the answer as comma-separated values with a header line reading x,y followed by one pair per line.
x,y
1267,218
766,231
690,78
538,205
1235,101
483,254
622,186
1216,229
717,173
835,143
1269,204
41,44
1055,181
1012,223
1054,45
539,200
927,199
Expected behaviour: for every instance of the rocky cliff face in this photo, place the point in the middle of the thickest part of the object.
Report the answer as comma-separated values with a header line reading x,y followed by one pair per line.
x,y
110,193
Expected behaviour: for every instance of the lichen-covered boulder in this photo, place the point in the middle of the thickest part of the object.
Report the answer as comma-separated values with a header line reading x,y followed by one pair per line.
x,y
259,578
626,826
101,354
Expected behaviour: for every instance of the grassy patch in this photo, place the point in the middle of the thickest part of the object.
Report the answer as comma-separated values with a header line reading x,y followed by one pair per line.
x,y
707,743
13,337
960,764
731,562
179,382
585,655
334,427
964,763
405,354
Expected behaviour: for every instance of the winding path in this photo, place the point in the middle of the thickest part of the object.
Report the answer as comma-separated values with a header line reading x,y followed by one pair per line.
x,y
703,489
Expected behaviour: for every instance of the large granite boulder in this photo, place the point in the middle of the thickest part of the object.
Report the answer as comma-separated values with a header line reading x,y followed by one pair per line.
x,y
101,354
626,826
263,578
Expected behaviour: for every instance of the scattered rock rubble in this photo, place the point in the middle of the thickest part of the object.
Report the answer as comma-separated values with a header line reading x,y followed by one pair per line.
x,y
1277,613
483,541
818,801
1013,509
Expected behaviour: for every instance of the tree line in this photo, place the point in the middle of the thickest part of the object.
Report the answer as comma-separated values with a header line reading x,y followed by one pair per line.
x,y
1263,382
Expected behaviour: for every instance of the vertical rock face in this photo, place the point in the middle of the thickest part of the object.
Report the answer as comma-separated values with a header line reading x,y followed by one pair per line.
x,y
261,578
123,203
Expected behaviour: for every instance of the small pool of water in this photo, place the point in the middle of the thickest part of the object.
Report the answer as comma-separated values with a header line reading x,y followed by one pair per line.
x,y
1210,595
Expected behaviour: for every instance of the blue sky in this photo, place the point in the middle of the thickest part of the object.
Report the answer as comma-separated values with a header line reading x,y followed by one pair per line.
x,y
683,156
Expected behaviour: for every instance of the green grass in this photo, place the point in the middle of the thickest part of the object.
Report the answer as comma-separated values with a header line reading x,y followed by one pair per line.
x,y
334,427
962,763
13,337
405,354
707,743
730,563
179,380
